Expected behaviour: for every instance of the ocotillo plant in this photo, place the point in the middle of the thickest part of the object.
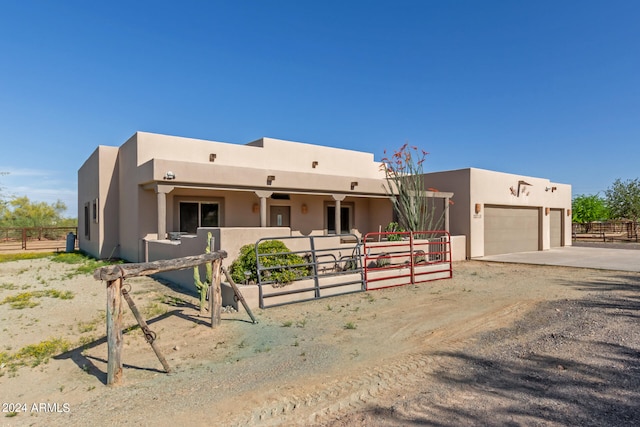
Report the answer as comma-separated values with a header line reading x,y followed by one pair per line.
x,y
203,287
405,184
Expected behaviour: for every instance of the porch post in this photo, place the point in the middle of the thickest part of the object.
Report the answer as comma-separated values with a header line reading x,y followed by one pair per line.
x,y
263,211
161,197
338,198
263,206
446,214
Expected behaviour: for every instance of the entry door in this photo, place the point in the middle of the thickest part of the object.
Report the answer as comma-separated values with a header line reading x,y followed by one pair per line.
x,y
555,228
279,216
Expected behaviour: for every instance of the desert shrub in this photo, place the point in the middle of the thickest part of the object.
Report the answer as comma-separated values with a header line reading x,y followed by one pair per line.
x,y
283,266
394,226
383,260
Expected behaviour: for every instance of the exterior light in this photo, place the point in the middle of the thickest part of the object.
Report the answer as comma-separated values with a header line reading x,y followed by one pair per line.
x,y
255,208
354,184
304,209
212,157
478,208
169,175
270,178
522,187
314,164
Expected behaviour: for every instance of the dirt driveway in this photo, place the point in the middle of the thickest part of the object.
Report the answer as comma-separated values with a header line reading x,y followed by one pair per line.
x,y
497,344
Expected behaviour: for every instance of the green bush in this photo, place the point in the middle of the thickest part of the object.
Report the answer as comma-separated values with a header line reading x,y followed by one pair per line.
x,y
283,267
394,226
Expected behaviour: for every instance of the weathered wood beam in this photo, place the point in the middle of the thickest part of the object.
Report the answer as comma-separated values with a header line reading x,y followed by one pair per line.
x,y
114,332
113,272
148,334
239,295
215,300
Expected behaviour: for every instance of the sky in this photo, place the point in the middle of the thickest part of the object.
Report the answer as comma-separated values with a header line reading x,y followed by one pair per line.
x,y
539,88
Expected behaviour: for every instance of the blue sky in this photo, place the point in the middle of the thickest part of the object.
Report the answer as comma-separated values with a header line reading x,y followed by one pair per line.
x,y
539,88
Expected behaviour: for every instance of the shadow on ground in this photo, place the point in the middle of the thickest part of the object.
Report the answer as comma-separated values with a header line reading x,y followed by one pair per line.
x,y
570,362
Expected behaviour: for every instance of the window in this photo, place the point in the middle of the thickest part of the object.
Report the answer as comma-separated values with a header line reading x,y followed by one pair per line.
x,y
94,210
345,219
194,215
87,227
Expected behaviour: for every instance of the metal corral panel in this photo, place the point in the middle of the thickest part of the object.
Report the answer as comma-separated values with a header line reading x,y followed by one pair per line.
x,y
511,229
555,227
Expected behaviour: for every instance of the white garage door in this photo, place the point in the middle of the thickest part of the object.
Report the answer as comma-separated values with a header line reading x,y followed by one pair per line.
x,y
511,229
555,224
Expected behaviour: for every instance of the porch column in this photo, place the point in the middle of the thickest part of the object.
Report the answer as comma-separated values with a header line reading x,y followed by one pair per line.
x,y
338,198
161,198
263,195
446,213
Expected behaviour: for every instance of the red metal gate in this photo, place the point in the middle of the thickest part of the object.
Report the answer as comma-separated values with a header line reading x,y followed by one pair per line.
x,y
403,258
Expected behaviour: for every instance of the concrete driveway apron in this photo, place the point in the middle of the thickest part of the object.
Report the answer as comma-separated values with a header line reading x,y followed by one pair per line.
x,y
572,256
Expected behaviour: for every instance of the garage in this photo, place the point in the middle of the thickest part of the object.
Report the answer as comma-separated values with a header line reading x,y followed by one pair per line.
x,y
555,228
510,229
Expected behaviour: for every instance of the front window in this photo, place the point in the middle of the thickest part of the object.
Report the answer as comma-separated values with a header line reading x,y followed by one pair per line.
x,y
345,219
87,228
194,215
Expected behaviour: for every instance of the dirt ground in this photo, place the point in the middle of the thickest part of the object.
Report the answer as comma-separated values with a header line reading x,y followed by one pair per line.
x,y
499,344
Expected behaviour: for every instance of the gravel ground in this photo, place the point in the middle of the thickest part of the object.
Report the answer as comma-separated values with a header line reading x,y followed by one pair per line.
x,y
499,344
570,362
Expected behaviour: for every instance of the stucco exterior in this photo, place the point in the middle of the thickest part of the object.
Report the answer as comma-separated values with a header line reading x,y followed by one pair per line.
x,y
140,188
156,195
476,190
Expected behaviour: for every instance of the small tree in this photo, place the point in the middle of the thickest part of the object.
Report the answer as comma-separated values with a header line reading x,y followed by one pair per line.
x,y
405,184
3,202
623,200
22,212
587,209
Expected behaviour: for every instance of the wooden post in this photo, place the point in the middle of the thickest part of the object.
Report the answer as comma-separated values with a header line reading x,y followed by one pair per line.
x,y
215,298
114,332
115,274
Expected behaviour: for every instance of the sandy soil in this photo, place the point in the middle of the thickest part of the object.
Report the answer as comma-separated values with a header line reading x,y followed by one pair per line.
x,y
497,344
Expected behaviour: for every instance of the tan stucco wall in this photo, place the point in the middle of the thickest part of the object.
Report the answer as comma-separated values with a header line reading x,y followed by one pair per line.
x,y
140,164
126,180
472,186
98,179
265,153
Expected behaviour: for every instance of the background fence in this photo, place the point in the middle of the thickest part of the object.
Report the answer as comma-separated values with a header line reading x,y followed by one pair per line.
x,y
35,238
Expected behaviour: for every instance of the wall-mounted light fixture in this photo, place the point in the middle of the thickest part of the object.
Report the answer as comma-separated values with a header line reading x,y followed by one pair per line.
x,y
304,209
568,212
314,164
270,179
354,184
255,208
522,187
212,157
546,211
169,175
478,208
